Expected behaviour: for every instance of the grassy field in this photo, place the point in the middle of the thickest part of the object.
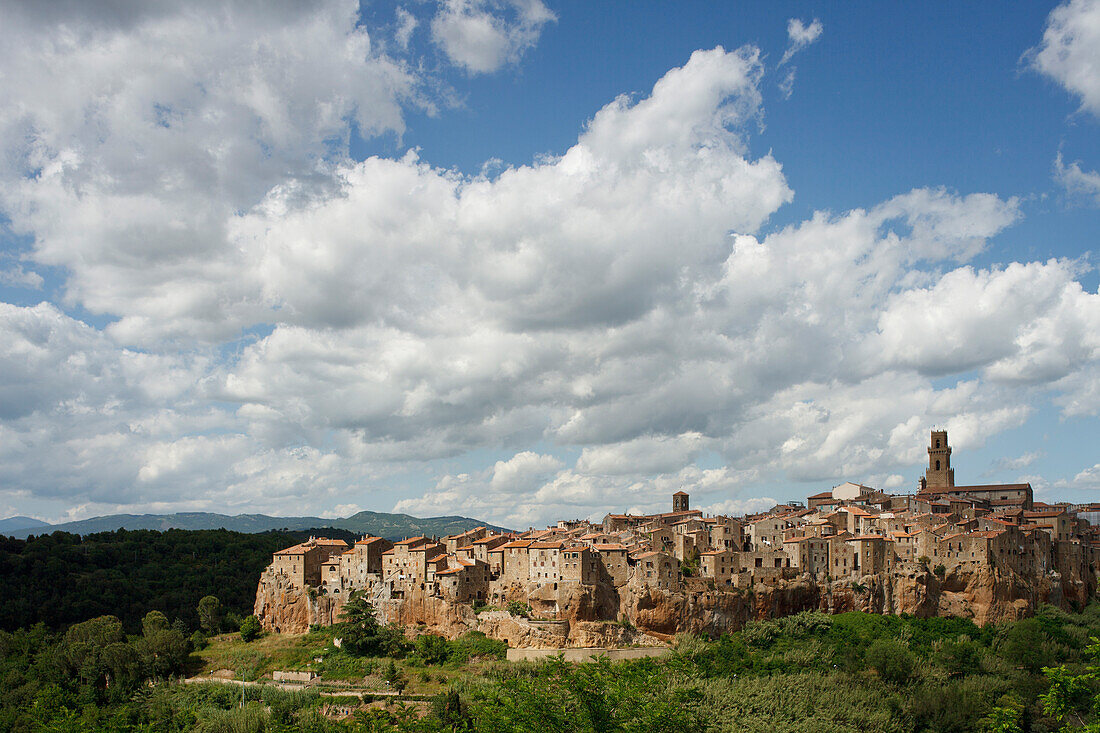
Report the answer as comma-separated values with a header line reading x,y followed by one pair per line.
x,y
315,652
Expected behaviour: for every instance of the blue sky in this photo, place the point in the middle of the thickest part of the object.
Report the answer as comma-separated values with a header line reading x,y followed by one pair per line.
x,y
521,260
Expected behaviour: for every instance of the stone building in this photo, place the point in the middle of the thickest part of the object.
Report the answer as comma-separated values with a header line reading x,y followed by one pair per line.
x,y
301,564
656,570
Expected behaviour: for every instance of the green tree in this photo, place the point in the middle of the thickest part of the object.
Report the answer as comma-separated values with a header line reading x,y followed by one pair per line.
x,y
1069,700
1005,716
210,615
162,648
153,622
360,633
1023,645
250,628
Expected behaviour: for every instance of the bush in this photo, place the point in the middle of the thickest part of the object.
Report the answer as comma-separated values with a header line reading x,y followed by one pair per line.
x,y
476,644
250,629
940,570
892,660
519,608
431,648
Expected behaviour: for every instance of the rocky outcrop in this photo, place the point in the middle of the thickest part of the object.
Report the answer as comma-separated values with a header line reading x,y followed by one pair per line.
x,y
575,615
288,609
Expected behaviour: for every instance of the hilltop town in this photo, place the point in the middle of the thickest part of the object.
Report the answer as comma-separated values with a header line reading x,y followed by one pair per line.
x,y
988,552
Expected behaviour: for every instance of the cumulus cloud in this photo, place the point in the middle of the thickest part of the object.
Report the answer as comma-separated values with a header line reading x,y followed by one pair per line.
x,y
481,36
286,323
572,492
137,136
1081,185
1070,51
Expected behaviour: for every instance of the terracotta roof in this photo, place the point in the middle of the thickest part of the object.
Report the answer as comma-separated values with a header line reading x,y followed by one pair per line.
x,y
609,547
368,540
546,545
822,495
411,540
516,544
680,493
988,534
1045,514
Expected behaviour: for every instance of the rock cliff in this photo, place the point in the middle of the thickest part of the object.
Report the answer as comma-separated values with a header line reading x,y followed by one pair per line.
x,y
575,615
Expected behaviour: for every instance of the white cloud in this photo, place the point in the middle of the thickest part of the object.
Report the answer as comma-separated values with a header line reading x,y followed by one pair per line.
x,y
572,493
799,36
481,36
18,277
137,136
1018,463
1081,185
406,24
618,300
1070,51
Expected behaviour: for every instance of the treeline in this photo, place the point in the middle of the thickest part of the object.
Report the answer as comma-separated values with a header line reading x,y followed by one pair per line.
x,y
60,579
852,672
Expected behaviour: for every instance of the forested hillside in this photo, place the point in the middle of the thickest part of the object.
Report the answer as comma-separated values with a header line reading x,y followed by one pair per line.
x,y
61,579
381,524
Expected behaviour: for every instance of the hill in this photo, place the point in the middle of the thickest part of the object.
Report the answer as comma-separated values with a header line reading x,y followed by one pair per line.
x,y
390,526
63,578
14,524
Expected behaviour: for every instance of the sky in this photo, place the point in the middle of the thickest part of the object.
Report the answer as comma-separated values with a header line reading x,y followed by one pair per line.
x,y
524,260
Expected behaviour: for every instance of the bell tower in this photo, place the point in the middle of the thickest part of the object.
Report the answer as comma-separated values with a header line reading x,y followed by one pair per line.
x,y
939,475
680,501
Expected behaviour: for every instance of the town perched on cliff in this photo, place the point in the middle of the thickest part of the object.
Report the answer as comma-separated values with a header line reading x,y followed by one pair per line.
x,y
987,552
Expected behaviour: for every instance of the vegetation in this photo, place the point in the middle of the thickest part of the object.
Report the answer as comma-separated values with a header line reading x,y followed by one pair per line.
x,y
807,672
61,579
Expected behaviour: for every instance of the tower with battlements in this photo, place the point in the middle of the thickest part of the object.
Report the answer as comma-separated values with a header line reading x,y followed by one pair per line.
x,y
939,475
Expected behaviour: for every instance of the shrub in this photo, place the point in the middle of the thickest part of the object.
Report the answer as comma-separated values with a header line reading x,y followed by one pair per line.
x,y
431,648
250,628
519,608
940,570
476,644
891,659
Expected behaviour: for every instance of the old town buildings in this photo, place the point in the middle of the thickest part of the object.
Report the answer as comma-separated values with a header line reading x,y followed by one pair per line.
x,y
849,532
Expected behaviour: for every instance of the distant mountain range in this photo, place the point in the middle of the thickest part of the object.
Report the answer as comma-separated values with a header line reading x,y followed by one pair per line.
x,y
390,526
17,523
